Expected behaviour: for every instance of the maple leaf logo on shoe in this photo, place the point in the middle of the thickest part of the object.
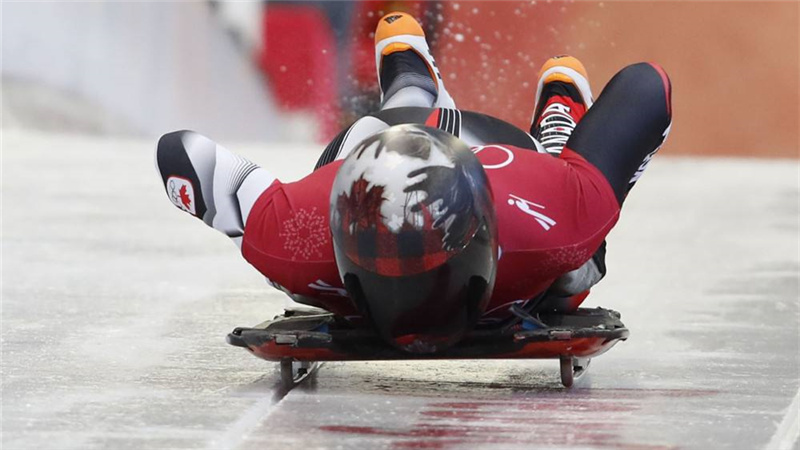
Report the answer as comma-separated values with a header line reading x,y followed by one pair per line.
x,y
185,200
181,193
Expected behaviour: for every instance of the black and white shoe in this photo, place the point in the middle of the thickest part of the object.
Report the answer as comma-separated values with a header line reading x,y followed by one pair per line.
x,y
209,182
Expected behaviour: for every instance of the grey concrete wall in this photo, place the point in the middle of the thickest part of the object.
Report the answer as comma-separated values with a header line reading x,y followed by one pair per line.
x,y
158,66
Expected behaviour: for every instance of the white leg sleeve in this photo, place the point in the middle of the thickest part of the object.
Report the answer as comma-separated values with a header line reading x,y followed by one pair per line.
x,y
410,96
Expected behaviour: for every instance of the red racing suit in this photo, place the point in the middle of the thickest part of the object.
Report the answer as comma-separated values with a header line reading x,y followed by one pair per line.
x,y
552,213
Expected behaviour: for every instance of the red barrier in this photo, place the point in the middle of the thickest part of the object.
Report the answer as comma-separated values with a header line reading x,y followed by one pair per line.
x,y
299,58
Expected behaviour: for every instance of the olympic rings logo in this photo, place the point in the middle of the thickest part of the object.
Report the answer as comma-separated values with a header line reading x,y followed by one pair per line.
x,y
509,156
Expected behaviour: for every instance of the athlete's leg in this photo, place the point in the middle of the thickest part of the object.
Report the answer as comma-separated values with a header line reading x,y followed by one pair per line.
x,y
288,234
618,135
405,82
209,182
407,76
626,126
407,72
563,96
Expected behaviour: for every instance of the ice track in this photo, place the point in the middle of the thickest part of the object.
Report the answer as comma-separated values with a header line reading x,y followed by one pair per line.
x,y
115,306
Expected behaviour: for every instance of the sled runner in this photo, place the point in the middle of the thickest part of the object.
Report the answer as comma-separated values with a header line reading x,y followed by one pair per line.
x,y
299,339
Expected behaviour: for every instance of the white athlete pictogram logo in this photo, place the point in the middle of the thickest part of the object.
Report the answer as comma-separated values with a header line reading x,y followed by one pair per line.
x,y
525,206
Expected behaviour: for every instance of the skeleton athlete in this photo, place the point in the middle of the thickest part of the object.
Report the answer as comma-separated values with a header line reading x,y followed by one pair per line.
x,y
424,219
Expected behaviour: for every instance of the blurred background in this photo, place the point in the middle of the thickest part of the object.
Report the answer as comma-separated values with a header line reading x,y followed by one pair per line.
x,y
301,70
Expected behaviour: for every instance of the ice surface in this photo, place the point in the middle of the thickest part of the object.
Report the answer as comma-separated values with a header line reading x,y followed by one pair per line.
x,y
115,306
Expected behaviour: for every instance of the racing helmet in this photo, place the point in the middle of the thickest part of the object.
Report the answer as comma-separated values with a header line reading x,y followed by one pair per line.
x,y
415,235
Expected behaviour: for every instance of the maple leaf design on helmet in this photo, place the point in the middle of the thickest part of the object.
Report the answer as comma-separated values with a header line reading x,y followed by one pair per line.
x,y
363,206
